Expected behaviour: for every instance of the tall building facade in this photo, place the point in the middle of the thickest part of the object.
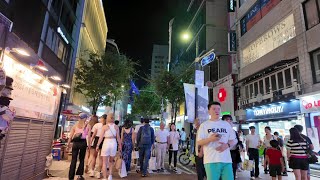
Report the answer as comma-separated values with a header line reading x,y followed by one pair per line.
x,y
93,37
279,57
48,30
159,59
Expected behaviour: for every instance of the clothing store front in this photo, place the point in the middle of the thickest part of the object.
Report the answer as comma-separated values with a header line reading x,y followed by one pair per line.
x,y
280,117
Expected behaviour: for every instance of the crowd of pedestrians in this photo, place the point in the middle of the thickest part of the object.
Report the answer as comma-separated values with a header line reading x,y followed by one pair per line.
x,y
217,147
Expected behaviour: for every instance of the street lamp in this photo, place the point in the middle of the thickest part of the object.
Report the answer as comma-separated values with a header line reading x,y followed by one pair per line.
x,y
186,36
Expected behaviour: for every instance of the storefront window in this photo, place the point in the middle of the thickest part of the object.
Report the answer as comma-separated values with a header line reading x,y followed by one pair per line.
x,y
280,80
274,82
261,87
315,61
267,81
287,75
311,13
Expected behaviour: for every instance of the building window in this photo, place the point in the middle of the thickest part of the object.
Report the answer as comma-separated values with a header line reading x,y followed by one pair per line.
x,y
280,80
247,92
256,89
241,2
261,87
287,74
251,90
311,13
315,62
57,45
274,82
267,81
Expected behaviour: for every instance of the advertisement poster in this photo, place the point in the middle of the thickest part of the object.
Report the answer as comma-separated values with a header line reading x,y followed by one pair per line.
x,y
203,101
189,92
313,134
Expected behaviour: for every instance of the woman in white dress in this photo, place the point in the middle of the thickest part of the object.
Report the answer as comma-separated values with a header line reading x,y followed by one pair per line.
x,y
174,138
110,133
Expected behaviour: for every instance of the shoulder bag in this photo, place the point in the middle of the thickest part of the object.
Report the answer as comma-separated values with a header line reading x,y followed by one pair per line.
x,y
312,158
78,136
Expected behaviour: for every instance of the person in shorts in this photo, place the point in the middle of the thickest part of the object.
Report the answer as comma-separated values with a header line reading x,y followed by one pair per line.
x,y
275,161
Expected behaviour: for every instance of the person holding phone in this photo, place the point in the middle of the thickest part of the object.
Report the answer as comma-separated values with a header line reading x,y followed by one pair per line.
x,y
216,137
174,138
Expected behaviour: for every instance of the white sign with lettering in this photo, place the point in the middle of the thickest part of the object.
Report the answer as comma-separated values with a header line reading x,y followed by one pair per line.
x,y
267,111
273,38
32,94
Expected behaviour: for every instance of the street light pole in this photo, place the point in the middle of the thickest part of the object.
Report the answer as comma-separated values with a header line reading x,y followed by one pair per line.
x,y
170,37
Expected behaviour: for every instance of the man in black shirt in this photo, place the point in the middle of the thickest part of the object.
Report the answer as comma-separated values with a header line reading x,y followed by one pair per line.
x,y
309,142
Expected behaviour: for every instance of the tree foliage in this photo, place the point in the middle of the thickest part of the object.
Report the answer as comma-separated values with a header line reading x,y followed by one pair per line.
x,y
100,78
147,103
169,85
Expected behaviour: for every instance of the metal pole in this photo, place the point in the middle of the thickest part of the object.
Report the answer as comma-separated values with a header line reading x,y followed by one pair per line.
x,y
170,33
196,89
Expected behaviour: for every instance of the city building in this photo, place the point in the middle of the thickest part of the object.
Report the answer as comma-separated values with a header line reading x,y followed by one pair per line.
x,y
93,37
278,57
48,31
159,60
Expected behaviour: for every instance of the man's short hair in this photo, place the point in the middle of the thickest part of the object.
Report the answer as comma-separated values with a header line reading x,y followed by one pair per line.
x,y
213,103
274,143
182,129
299,127
116,122
146,120
252,127
276,133
142,120
224,117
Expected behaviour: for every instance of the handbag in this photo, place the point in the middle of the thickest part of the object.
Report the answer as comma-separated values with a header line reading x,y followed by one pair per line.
x,y
78,136
135,154
123,171
312,158
118,163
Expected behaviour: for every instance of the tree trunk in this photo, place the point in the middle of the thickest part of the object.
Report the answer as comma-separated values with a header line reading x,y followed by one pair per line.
x,y
95,106
172,112
175,112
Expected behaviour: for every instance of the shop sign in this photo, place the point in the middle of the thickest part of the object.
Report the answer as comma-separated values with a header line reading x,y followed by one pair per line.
x,y
33,95
231,5
273,38
310,103
232,40
277,110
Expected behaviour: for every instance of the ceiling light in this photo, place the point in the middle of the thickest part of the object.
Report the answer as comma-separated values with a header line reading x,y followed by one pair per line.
x,y
66,86
21,51
56,78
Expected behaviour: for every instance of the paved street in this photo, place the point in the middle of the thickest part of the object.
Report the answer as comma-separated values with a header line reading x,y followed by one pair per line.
x,y
60,170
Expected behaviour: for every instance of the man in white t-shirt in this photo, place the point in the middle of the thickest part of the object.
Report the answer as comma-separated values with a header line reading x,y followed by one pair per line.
x,y
253,143
216,137
162,138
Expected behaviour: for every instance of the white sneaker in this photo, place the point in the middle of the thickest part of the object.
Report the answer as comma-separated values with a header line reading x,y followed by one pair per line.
x,y
110,177
170,167
252,178
91,173
98,175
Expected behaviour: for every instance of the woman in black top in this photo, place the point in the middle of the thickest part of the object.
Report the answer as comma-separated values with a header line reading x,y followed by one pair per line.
x,y
298,159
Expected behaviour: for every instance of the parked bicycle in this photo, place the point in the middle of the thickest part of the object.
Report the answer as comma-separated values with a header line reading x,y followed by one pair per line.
x,y
186,157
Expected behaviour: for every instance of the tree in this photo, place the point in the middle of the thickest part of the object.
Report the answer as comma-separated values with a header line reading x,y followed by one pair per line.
x,y
100,78
169,85
147,103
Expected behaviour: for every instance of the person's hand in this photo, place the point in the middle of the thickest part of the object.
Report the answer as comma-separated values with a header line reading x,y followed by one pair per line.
x,y
222,147
214,137
200,154
68,147
97,148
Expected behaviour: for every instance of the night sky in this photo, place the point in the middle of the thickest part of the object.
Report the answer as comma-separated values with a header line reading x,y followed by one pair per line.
x,y
136,25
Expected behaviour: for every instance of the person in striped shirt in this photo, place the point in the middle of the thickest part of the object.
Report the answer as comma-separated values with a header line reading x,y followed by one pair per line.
x,y
298,159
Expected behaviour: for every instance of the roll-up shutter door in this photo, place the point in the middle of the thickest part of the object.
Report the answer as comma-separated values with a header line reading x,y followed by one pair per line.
x,y
25,151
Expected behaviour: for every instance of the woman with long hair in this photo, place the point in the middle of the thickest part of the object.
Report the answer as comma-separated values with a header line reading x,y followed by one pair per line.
x,y
92,122
127,142
96,130
174,138
78,135
296,153
266,143
110,133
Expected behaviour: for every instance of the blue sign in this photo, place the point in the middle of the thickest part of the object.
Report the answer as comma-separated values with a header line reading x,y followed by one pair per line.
x,y
274,111
208,59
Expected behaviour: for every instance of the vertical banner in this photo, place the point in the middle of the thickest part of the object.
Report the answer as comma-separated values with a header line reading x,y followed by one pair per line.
x,y
199,76
189,92
202,102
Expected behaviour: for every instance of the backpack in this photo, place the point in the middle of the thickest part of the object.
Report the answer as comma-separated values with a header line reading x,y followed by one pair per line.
x,y
145,138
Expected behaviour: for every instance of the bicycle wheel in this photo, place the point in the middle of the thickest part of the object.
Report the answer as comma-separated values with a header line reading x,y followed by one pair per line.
x,y
184,159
